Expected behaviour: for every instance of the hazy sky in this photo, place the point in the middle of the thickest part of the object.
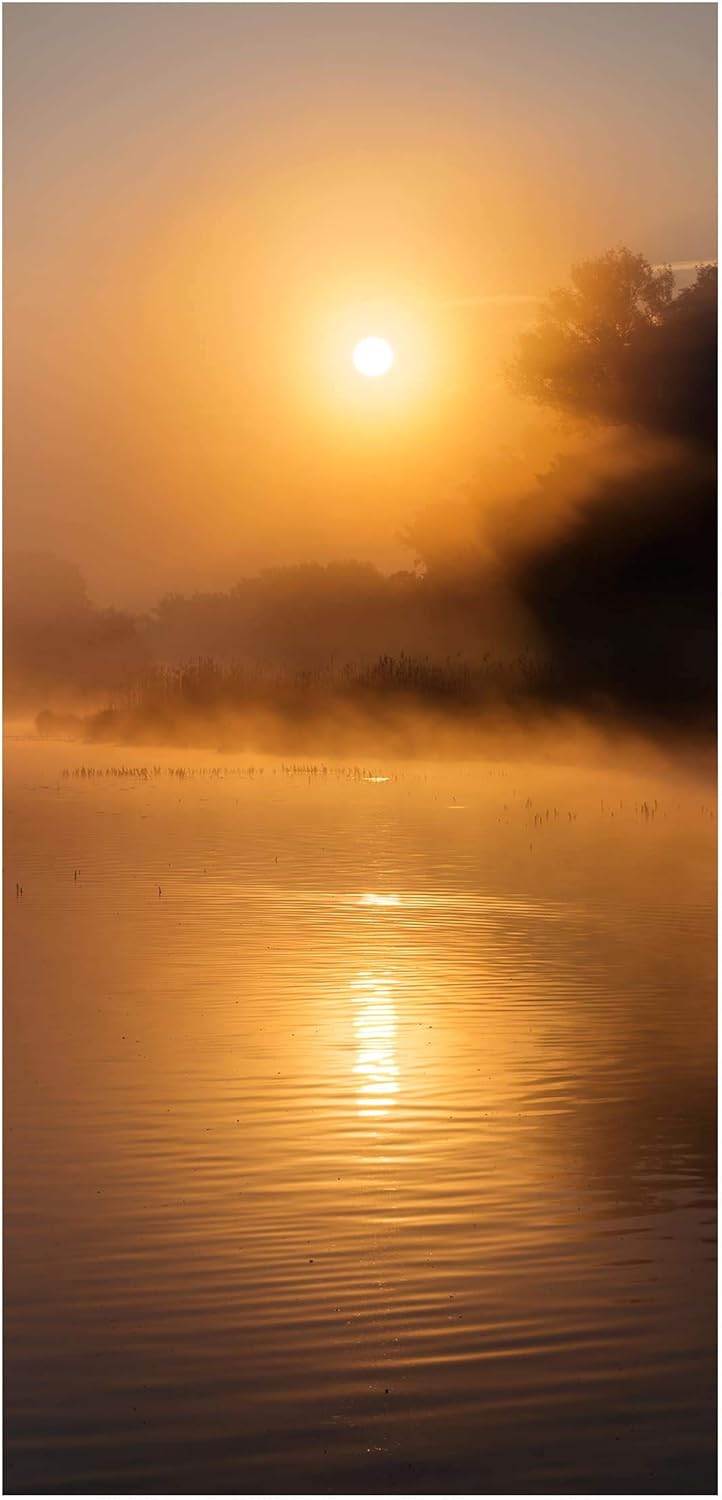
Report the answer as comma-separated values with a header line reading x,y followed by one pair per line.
x,y
205,205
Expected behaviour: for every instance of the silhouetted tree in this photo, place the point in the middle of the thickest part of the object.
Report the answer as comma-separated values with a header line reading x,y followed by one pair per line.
x,y
624,591
56,639
624,594
305,616
617,345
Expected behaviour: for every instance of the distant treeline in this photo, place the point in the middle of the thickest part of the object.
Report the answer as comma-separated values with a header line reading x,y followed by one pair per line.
x,y
300,622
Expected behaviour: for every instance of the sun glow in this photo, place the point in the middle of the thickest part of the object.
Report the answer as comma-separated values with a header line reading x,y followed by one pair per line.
x,y
372,384
373,356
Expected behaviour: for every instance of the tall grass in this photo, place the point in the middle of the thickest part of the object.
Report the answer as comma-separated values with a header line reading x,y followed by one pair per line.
x,y
188,702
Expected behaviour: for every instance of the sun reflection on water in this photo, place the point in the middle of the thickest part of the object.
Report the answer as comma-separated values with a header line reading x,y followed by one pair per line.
x,y
376,1066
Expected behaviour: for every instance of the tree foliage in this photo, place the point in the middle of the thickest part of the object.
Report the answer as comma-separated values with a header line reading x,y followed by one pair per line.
x,y
617,345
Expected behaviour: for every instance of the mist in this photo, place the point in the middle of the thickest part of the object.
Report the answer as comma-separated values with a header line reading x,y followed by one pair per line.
x,y
586,589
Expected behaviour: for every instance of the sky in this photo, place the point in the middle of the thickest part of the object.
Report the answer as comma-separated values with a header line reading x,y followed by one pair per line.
x,y
207,205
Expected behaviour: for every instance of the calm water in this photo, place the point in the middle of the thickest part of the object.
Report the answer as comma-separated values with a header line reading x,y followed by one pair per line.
x,y
359,1133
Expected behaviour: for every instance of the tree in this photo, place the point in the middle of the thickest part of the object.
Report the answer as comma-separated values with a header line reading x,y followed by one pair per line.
x,y
56,640
619,346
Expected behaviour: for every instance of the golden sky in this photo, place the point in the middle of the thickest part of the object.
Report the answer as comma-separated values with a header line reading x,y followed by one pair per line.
x,y
206,206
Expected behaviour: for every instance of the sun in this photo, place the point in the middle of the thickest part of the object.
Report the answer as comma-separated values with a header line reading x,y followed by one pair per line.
x,y
373,356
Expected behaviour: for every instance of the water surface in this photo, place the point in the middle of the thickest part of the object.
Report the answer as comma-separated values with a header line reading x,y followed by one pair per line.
x,y
359,1131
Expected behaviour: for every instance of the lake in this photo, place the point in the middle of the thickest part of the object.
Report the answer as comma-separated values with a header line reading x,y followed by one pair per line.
x,y
360,1125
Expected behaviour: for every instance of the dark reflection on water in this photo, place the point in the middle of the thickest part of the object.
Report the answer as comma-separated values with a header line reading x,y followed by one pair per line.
x,y
359,1134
